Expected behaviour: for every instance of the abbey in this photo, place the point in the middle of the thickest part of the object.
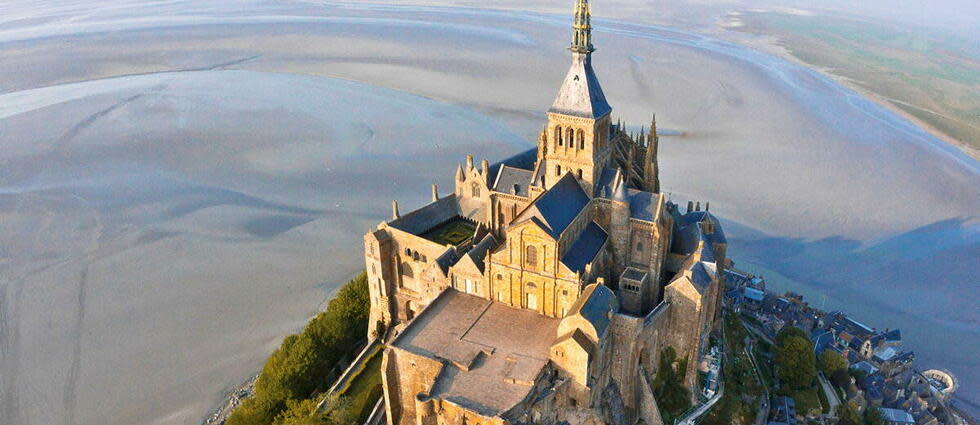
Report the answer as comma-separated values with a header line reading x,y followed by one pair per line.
x,y
544,288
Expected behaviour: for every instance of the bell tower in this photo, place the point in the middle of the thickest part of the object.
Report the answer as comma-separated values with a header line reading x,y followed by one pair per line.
x,y
576,139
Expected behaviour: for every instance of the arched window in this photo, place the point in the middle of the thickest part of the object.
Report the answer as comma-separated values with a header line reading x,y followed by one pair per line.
x,y
558,135
408,252
570,135
415,255
639,246
579,173
581,139
558,170
475,190
407,270
531,256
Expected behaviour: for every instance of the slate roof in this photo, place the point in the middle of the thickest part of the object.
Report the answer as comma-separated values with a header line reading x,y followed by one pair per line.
x,y
633,273
643,205
689,233
702,274
595,305
429,216
896,416
479,251
447,259
556,208
585,248
514,181
580,94
754,294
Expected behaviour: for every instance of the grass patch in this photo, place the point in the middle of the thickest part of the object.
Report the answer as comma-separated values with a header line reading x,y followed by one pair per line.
x,y
454,232
807,400
364,390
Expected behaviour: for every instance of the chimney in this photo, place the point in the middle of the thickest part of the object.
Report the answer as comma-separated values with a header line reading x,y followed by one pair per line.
x,y
469,162
485,167
690,206
435,192
394,210
697,207
707,206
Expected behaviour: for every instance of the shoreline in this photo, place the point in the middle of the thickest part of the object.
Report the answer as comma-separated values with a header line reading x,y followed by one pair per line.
x,y
770,43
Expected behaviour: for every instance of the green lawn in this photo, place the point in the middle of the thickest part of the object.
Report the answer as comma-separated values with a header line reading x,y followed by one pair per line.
x,y
365,389
454,232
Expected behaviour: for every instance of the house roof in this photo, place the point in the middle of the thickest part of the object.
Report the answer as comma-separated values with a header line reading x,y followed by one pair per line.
x,y
643,205
585,248
556,208
595,305
896,416
514,181
580,94
754,294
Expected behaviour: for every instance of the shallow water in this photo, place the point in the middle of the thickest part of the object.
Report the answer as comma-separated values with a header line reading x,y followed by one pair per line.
x,y
212,210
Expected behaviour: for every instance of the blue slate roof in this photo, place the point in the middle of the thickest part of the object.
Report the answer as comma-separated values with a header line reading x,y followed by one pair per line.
x,y
514,181
556,208
429,216
701,276
599,302
643,205
896,416
585,249
893,336
754,294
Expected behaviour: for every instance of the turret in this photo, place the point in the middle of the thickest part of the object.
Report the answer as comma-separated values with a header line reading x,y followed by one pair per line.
x,y
435,192
619,222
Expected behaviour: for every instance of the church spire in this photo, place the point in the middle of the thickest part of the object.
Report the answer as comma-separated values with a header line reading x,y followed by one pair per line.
x,y
582,28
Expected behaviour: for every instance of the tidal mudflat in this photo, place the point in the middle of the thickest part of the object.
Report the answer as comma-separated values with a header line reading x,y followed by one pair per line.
x,y
182,184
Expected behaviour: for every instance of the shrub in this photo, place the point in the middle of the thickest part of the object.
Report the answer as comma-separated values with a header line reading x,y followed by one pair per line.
x,y
303,361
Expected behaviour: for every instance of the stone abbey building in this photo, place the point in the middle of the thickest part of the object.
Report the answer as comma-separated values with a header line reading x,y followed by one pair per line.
x,y
544,288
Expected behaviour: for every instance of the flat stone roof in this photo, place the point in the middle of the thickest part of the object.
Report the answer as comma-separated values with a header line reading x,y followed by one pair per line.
x,y
493,352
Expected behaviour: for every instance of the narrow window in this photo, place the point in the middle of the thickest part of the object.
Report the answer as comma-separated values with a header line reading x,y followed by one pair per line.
x,y
531,256
558,170
639,246
570,135
475,190
580,173
558,135
581,139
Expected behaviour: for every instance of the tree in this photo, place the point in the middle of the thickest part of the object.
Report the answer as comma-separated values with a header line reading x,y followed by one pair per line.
x,y
300,412
831,361
668,385
873,416
795,363
841,378
790,332
847,414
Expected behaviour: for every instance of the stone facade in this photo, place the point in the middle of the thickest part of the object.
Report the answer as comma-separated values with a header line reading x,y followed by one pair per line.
x,y
574,234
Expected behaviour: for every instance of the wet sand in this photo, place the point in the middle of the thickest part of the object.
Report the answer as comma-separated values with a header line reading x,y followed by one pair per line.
x,y
196,179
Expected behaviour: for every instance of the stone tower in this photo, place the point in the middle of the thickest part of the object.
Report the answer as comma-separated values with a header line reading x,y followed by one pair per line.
x,y
577,136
